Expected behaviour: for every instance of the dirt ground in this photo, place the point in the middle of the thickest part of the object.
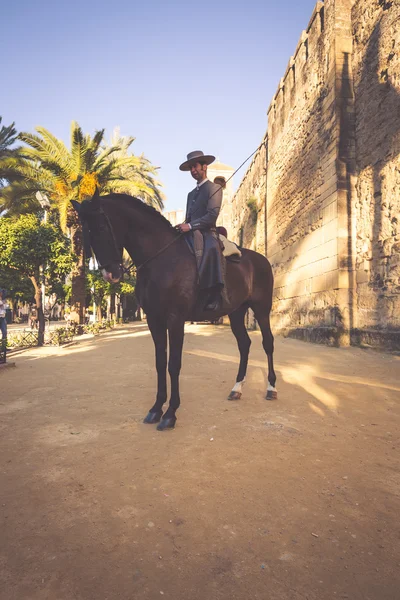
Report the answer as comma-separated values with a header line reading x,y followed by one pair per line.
x,y
293,499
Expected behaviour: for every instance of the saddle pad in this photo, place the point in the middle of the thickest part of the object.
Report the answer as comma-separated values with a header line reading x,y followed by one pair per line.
x,y
230,248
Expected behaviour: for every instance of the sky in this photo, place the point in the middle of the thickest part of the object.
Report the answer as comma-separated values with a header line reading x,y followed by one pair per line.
x,y
178,76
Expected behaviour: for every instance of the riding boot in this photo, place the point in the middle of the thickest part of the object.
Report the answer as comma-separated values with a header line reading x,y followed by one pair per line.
x,y
214,300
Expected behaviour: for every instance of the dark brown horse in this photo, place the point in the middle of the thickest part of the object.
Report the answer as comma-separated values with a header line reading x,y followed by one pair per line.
x,y
167,288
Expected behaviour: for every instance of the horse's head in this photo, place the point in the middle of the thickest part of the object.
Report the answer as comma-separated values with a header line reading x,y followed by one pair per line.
x,y
98,235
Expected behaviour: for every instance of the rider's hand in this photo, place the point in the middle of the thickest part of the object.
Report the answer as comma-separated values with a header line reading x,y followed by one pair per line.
x,y
184,227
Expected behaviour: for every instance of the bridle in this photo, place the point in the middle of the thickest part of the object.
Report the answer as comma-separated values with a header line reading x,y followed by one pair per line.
x,y
87,243
87,233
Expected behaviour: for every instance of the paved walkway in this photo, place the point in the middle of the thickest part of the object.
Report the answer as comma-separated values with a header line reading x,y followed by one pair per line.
x,y
288,500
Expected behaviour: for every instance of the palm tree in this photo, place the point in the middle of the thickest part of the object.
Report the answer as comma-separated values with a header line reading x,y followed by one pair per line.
x,y
8,136
126,179
63,175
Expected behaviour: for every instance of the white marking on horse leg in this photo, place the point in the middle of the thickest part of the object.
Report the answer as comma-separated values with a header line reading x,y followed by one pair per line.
x,y
272,393
238,386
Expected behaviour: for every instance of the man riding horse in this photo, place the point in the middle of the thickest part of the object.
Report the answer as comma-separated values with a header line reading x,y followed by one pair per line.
x,y
202,209
167,281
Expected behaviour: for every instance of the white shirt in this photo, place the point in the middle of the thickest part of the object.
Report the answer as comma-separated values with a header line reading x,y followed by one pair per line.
x,y
198,186
3,306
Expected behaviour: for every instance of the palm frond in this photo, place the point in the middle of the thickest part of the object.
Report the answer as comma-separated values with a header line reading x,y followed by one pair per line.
x,y
57,147
63,209
8,136
134,188
104,158
19,198
93,150
78,147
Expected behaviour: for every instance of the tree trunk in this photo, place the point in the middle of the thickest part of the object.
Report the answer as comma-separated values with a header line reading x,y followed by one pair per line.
x,y
15,309
78,275
112,306
39,307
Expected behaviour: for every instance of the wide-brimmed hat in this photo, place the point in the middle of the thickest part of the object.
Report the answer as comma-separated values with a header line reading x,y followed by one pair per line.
x,y
196,156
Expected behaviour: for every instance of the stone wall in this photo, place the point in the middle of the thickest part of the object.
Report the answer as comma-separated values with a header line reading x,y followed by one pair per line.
x,y
247,213
302,187
376,72
321,196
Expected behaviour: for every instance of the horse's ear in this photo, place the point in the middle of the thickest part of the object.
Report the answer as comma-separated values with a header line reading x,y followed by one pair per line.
x,y
96,198
76,206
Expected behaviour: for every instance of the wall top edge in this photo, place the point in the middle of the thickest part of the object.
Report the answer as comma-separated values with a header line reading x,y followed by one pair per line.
x,y
263,143
317,9
303,37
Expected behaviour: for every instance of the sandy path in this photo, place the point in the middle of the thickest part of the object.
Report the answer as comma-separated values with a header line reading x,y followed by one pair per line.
x,y
293,499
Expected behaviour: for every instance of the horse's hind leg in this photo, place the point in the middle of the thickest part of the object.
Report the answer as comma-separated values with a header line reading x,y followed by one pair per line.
x,y
243,341
262,316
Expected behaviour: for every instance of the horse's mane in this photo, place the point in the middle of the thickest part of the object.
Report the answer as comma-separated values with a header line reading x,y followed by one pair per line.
x,y
146,208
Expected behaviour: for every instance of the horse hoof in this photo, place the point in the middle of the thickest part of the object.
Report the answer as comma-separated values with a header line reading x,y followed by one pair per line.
x,y
153,417
168,423
235,396
272,395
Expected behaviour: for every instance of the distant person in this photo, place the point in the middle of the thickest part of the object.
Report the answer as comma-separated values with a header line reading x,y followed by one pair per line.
x,y
3,320
33,317
74,315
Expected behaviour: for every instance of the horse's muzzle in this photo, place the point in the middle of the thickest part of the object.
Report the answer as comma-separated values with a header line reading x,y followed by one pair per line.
x,y
113,276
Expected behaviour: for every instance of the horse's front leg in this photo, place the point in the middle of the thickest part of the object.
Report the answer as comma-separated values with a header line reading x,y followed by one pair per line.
x,y
158,330
176,330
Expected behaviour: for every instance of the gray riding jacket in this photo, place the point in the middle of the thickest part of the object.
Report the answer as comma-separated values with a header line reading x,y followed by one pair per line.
x,y
203,206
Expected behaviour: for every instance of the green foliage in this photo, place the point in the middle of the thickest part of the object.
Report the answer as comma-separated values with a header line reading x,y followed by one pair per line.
x,y
96,328
8,136
28,338
67,291
100,289
21,339
133,175
18,286
252,206
47,165
93,328
59,336
127,286
97,286
26,244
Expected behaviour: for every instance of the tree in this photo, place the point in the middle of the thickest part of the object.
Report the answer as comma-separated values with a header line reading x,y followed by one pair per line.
x,y
144,187
99,289
8,136
64,175
17,286
28,246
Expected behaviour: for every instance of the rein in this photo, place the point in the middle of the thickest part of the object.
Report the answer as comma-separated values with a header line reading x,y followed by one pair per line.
x,y
138,267
234,173
126,270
